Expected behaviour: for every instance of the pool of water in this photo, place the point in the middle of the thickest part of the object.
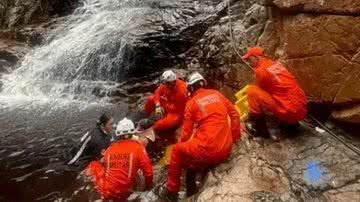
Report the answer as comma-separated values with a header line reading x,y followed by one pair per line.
x,y
34,137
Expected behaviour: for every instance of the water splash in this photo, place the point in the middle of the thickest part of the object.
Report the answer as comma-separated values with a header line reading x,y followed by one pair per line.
x,y
81,59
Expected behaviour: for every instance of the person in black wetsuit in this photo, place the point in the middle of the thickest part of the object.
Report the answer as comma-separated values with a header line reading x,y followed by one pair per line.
x,y
95,142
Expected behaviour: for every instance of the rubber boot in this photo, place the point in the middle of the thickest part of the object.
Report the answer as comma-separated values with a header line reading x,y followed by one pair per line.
x,y
190,182
291,127
251,128
273,127
256,125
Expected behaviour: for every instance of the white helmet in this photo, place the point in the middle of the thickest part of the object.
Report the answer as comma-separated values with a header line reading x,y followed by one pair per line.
x,y
194,77
125,127
168,76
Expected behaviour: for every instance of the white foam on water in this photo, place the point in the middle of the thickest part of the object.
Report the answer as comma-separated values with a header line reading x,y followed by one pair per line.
x,y
22,178
18,153
80,59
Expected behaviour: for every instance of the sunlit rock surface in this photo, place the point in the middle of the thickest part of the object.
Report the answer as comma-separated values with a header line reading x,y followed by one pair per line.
x,y
319,41
308,166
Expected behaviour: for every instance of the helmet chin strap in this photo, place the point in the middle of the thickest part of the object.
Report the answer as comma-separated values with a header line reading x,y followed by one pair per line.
x,y
191,88
190,91
203,83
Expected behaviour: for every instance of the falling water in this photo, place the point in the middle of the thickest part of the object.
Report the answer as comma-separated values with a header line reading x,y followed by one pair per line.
x,y
83,57
52,98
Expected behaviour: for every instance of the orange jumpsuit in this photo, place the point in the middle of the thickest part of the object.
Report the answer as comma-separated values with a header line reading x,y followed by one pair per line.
x,y
276,93
212,139
115,176
173,101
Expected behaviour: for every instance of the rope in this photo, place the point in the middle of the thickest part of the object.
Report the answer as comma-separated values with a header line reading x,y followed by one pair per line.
x,y
232,40
349,146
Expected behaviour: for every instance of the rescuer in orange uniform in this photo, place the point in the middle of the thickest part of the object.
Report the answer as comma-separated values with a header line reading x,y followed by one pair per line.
x,y
114,176
168,101
276,93
210,142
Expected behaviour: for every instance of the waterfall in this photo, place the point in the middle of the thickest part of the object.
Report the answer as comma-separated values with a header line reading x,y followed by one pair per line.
x,y
83,56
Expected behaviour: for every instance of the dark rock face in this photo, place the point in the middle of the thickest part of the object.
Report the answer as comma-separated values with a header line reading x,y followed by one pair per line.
x,y
185,34
10,53
24,24
18,13
215,54
202,41
170,30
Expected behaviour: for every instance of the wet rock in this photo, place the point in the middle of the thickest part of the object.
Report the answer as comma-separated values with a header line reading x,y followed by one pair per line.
x,y
14,44
172,29
216,54
10,53
351,114
156,41
15,13
26,23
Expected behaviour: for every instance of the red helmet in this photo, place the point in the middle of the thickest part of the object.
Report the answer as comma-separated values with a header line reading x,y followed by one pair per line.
x,y
254,51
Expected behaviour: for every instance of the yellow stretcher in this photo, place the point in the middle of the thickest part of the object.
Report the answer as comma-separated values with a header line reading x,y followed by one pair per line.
x,y
241,103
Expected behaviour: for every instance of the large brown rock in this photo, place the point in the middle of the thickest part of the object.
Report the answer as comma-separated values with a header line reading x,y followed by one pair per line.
x,y
320,6
351,115
321,50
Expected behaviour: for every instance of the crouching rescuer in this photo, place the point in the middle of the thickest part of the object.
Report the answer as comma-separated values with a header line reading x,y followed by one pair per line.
x,y
114,175
276,98
168,102
206,137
